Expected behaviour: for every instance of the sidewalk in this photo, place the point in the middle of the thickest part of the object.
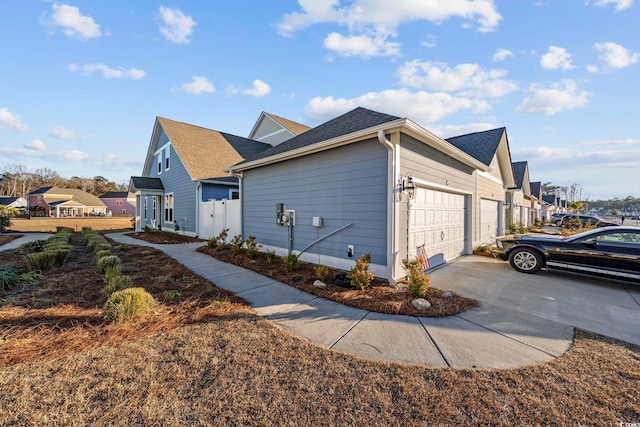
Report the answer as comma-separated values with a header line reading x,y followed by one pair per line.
x,y
484,337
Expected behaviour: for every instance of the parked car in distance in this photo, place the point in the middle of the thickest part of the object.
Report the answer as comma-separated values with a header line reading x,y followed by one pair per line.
x,y
585,220
607,252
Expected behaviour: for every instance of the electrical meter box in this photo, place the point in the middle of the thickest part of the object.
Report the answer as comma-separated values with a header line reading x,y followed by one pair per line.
x,y
280,213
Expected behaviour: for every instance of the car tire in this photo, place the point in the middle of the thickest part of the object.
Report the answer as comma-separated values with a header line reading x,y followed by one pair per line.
x,y
525,260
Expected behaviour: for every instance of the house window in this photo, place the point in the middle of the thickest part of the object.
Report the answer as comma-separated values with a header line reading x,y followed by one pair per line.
x,y
118,202
167,164
168,208
154,209
124,211
159,163
234,194
39,199
145,208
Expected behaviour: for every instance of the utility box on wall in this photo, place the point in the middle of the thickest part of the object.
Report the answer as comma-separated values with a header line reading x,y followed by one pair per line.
x,y
279,213
317,221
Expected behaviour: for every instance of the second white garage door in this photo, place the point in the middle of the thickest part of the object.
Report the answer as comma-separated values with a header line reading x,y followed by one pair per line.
x,y
489,222
437,221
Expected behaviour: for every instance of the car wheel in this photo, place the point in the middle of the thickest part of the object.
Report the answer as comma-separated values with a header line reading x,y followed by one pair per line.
x,y
525,260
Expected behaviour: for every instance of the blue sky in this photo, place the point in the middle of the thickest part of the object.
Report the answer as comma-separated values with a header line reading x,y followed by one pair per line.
x,y
81,82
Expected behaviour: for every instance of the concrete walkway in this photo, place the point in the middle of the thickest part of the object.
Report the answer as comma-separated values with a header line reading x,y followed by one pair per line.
x,y
25,238
484,337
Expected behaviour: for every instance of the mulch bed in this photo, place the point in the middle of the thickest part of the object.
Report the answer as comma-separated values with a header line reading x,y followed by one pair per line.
x,y
6,238
380,297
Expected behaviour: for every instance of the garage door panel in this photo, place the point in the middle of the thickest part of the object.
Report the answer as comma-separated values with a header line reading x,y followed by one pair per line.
x,y
439,224
488,220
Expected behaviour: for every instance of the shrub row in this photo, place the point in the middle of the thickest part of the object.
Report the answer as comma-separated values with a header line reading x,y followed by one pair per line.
x,y
43,255
124,302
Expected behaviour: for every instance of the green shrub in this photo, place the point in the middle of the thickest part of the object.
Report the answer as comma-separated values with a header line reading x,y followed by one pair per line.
x,y
418,281
236,244
64,230
106,262
11,278
321,272
40,261
102,253
31,247
127,305
479,249
219,240
117,282
291,262
271,256
59,256
5,221
252,247
360,276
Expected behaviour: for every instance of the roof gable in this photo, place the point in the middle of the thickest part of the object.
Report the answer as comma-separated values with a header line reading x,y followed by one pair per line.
x,y
72,194
205,153
521,175
350,122
275,129
486,145
536,189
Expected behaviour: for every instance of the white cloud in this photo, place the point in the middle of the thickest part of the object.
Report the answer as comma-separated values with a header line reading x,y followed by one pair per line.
x,y
615,56
501,55
619,4
557,58
468,79
388,15
198,85
177,27
363,45
258,90
60,132
12,121
107,72
555,157
74,24
420,106
429,41
551,100
36,145
627,142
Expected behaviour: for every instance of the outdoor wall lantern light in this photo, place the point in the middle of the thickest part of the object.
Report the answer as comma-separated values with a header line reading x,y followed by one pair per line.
x,y
408,187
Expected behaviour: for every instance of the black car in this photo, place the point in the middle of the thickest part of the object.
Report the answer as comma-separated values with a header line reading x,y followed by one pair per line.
x,y
584,221
609,252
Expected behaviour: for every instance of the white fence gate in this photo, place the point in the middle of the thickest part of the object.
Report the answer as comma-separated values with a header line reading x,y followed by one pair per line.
x,y
216,215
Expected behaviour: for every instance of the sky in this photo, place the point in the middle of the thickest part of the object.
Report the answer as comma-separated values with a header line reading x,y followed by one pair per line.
x,y
81,82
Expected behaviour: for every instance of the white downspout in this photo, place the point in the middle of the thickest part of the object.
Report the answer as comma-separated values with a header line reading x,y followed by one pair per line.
x,y
198,218
391,208
239,176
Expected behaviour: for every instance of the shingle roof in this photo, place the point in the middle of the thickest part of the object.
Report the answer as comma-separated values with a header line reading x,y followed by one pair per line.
x,y
41,190
550,198
480,145
519,168
6,201
115,195
353,121
144,182
205,152
535,188
291,126
75,194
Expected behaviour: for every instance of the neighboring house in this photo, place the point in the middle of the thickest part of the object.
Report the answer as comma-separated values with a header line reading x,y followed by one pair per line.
x,y
183,168
552,204
64,202
273,129
19,203
341,190
5,178
537,204
119,203
519,196
491,148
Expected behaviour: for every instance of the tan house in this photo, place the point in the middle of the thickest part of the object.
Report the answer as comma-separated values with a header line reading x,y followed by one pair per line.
x,y
64,202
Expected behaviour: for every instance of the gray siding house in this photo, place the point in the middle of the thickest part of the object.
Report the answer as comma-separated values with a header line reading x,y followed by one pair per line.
x,y
364,182
184,167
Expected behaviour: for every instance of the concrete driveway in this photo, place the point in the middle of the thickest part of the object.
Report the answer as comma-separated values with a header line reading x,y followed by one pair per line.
x,y
595,305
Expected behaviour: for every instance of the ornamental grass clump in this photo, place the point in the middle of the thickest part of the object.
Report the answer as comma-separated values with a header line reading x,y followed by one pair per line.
x,y
291,262
418,282
128,305
117,282
11,278
359,275
40,261
102,253
108,262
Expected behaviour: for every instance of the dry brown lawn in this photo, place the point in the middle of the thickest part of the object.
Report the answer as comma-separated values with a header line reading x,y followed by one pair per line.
x,y
48,225
204,358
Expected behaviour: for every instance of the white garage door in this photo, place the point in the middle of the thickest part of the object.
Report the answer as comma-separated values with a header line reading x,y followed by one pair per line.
x,y
437,221
488,220
516,217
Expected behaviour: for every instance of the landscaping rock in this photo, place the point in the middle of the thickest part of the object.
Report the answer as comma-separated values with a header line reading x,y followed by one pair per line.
x,y
401,286
447,295
420,304
319,284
